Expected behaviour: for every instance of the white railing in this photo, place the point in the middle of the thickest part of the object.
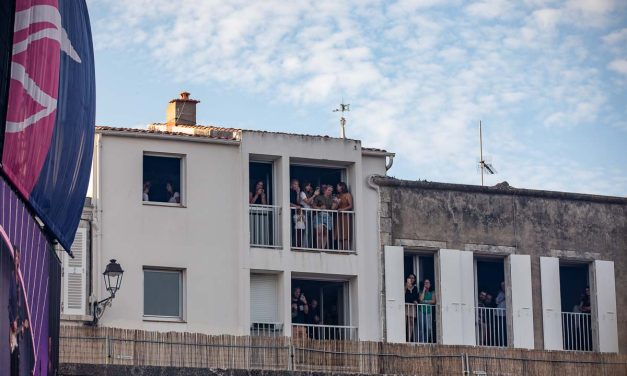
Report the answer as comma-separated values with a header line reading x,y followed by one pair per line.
x,y
420,323
577,331
266,329
326,230
324,332
491,328
265,225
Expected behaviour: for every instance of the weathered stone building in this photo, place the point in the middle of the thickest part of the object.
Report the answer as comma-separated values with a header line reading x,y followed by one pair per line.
x,y
534,239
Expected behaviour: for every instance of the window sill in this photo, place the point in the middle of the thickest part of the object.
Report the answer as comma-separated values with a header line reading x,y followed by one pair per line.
x,y
164,319
82,318
313,250
167,204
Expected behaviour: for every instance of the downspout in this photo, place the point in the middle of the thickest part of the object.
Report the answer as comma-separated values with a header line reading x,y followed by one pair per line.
x,y
389,163
96,255
382,315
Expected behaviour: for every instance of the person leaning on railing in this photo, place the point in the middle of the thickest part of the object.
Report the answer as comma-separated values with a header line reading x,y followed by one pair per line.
x,y
411,303
426,312
324,222
344,222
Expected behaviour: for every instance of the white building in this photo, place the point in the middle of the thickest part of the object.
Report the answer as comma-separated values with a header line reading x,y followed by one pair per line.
x,y
213,263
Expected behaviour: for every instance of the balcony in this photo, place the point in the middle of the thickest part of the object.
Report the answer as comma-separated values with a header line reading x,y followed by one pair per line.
x,y
324,332
266,329
265,226
420,323
491,326
577,331
323,230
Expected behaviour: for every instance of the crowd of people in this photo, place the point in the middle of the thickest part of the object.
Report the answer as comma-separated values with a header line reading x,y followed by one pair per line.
x,y
168,194
419,312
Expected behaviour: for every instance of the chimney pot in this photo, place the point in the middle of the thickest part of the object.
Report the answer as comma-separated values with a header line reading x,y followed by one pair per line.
x,y
185,95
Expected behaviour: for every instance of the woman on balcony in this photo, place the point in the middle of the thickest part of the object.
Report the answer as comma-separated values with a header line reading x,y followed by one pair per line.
x,y
343,231
324,222
259,197
425,321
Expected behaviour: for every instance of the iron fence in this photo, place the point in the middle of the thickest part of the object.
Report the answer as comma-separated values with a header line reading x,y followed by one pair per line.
x,y
491,327
265,225
323,230
577,331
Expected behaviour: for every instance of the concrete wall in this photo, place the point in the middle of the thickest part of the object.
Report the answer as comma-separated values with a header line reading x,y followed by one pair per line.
x,y
506,220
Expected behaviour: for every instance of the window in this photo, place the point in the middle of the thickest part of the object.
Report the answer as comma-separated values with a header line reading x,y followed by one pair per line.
x,y
163,293
162,179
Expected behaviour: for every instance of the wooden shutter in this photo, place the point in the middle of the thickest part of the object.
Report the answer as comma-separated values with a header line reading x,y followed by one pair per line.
x,y
456,296
75,275
522,304
264,306
394,294
605,291
551,303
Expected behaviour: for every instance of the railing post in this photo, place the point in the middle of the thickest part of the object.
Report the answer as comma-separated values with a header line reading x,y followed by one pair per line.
x,y
290,355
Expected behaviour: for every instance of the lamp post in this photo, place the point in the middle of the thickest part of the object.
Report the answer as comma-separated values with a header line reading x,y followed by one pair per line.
x,y
112,279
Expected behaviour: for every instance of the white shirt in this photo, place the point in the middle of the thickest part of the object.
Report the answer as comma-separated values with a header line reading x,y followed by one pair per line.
x,y
176,198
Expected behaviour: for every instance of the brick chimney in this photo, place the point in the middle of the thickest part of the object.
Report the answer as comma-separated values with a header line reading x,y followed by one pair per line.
x,y
181,111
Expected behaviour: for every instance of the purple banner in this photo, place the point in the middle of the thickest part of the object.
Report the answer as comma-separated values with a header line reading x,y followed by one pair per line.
x,y
25,288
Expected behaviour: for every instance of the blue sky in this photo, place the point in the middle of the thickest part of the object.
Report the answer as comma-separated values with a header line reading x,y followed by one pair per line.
x,y
548,79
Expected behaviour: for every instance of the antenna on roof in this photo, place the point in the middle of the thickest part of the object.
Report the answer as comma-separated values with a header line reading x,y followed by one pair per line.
x,y
483,165
343,108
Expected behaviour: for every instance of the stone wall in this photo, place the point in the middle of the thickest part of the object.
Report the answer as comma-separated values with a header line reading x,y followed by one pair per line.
x,y
505,220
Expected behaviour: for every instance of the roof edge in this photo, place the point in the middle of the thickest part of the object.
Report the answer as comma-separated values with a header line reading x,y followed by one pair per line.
x,y
500,189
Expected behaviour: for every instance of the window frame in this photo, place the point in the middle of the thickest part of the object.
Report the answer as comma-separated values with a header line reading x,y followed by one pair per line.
x,y
182,295
182,177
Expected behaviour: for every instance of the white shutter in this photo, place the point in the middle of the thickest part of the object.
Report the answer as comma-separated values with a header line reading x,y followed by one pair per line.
x,y
605,291
453,299
394,294
74,276
522,305
551,303
467,282
264,307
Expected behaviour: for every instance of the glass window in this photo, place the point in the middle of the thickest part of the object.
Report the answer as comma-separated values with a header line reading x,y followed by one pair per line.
x,y
163,293
162,179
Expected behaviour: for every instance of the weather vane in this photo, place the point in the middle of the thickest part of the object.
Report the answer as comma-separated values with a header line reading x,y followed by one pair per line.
x,y
343,108
483,165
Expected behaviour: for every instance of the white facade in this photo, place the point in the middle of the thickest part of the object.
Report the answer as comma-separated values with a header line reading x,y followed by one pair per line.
x,y
206,238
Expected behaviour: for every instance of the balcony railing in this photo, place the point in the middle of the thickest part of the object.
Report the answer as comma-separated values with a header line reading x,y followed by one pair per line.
x,y
577,331
324,332
323,230
265,225
420,323
491,328
266,329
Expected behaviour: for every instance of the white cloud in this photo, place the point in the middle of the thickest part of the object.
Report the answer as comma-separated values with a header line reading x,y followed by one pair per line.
x,y
619,65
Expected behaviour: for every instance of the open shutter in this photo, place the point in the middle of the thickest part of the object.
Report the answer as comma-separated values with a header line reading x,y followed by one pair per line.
x,y
456,296
394,294
522,305
264,307
74,276
605,291
551,303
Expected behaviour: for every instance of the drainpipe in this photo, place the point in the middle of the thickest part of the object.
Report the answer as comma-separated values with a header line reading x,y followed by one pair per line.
x,y
389,163
382,316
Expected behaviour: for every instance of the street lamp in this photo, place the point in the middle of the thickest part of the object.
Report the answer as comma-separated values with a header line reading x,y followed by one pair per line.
x,y
112,279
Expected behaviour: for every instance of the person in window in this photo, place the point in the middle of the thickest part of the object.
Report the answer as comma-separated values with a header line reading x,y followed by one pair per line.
x,y
300,309
481,319
425,321
300,226
343,229
173,196
313,318
501,304
258,197
146,191
295,205
584,303
411,301
324,222
412,276
584,322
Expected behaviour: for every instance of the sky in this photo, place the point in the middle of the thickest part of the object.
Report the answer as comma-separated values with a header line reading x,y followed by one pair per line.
x,y
547,79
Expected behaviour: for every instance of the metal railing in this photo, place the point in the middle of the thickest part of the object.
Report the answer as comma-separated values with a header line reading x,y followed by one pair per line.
x,y
326,230
265,225
324,332
266,329
420,323
491,326
577,331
